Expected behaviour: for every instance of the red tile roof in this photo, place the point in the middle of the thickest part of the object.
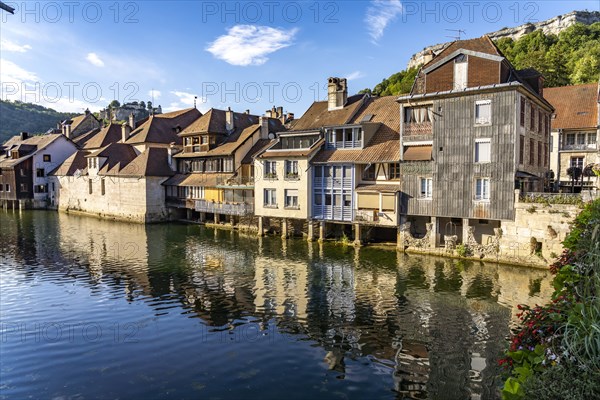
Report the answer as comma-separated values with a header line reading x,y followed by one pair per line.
x,y
576,106
107,135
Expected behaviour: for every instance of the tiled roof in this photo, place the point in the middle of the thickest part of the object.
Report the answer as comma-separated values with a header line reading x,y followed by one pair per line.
x,y
214,122
75,121
115,153
378,187
162,128
82,139
107,135
384,146
196,179
293,152
418,153
232,143
259,146
76,162
482,45
318,115
576,106
152,162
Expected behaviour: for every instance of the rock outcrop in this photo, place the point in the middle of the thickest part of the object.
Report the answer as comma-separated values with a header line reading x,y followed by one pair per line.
x,y
551,26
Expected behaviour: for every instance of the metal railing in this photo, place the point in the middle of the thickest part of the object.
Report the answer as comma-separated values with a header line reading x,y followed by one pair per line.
x,y
590,146
235,181
213,207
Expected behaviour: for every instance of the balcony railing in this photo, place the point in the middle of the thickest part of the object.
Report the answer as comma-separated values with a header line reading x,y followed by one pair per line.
x,y
333,213
239,209
350,144
590,146
235,181
423,128
344,183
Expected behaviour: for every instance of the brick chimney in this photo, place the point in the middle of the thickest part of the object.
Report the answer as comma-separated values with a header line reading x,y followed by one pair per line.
x,y
132,121
264,127
337,93
125,132
229,120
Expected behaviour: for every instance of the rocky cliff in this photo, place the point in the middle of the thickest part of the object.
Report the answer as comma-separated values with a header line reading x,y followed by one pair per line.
x,y
551,26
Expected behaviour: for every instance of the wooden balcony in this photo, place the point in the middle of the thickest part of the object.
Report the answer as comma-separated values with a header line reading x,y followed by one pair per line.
x,y
214,207
418,129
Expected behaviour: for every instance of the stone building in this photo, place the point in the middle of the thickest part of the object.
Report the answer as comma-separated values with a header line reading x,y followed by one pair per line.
x,y
575,136
122,180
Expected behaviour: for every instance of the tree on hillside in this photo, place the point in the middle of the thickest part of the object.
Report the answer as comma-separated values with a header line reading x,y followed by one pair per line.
x,y
114,104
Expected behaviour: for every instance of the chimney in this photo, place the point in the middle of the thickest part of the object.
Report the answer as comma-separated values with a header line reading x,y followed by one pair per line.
x,y
279,112
229,122
125,131
24,135
68,131
132,121
247,112
290,117
337,93
170,156
58,127
87,111
264,127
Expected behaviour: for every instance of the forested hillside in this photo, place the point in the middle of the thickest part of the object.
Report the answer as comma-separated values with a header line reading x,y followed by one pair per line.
x,y
570,58
16,116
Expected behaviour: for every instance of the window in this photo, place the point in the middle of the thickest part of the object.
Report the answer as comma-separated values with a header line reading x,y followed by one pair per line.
x,y
592,138
1,188
570,139
369,174
532,118
539,154
482,151
291,169
531,152
394,169
460,72
40,172
7,188
482,189
522,119
24,187
271,169
577,162
40,189
47,158
318,199
551,143
270,198
22,172
344,138
545,125
102,187
540,121
204,140
291,198
90,187
581,139
545,154
418,115
426,188
521,149
483,112
0,171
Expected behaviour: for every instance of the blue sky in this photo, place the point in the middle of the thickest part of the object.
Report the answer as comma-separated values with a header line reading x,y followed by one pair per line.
x,y
246,55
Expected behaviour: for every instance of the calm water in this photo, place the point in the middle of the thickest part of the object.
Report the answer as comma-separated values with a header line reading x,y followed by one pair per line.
x,y
98,309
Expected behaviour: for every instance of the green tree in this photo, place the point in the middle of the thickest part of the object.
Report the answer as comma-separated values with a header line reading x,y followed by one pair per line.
x,y
114,104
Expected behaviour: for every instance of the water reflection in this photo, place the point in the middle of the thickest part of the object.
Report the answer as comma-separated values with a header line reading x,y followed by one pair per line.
x,y
387,324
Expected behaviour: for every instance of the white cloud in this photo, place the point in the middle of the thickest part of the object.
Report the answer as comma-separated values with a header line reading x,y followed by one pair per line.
x,y
184,98
154,94
379,14
355,75
249,44
95,60
12,73
7,45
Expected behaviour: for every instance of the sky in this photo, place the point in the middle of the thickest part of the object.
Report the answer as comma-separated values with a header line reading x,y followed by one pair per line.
x,y
247,55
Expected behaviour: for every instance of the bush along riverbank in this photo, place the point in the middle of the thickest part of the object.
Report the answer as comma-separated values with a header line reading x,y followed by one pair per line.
x,y
555,352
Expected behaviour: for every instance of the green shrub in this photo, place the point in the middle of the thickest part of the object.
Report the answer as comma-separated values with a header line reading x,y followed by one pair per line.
x,y
463,250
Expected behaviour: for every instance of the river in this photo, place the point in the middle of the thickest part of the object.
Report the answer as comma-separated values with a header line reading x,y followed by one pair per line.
x,y
95,309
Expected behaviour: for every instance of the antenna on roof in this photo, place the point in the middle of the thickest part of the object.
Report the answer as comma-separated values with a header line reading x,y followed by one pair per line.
x,y
195,98
457,34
